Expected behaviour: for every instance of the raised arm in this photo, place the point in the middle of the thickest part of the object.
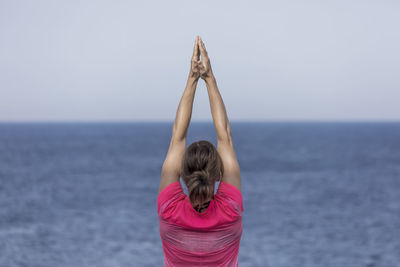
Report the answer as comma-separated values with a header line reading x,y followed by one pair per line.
x,y
171,169
225,144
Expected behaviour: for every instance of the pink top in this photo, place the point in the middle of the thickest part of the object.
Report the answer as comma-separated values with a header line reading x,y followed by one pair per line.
x,y
210,238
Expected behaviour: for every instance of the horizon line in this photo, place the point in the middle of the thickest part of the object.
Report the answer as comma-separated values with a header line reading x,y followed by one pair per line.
x,y
203,121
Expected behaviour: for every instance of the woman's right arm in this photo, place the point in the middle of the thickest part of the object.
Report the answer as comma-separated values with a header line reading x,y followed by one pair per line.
x,y
225,144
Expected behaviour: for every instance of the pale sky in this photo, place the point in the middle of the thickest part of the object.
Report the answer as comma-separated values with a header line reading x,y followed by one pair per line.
x,y
129,60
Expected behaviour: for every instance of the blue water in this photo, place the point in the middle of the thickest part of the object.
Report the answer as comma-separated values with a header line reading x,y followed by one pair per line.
x,y
84,194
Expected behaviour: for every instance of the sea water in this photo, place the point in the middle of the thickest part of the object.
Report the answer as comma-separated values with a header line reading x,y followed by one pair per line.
x,y
314,193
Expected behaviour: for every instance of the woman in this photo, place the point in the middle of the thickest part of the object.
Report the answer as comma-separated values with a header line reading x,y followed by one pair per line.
x,y
203,228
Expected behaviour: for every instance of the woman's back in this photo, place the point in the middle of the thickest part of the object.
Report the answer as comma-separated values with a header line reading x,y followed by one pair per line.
x,y
190,238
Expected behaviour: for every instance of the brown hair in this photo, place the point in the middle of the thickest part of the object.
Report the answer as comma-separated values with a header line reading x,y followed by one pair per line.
x,y
201,167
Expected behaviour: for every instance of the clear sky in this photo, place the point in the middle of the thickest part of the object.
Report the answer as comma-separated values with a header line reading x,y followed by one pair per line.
x,y
129,60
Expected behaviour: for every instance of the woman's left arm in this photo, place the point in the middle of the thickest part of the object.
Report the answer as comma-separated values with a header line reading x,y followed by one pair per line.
x,y
171,169
184,112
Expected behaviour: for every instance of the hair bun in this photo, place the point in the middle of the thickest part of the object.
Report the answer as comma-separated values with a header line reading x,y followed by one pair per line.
x,y
202,177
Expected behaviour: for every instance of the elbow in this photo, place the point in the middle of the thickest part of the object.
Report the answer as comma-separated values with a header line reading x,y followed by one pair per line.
x,y
225,137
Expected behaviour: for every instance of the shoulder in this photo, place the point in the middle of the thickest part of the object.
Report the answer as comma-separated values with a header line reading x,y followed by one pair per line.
x,y
170,194
231,196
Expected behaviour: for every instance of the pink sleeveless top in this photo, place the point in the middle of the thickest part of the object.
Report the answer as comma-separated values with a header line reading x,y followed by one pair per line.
x,y
210,238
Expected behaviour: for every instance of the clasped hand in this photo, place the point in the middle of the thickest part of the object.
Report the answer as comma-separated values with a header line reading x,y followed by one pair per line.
x,y
200,68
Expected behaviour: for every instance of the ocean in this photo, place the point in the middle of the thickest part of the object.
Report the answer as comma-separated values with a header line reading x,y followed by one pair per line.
x,y
315,194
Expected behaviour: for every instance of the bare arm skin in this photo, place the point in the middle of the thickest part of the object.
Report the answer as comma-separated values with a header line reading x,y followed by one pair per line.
x,y
171,169
225,144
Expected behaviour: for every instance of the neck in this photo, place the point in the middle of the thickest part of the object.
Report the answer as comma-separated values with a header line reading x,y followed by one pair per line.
x,y
202,207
